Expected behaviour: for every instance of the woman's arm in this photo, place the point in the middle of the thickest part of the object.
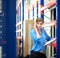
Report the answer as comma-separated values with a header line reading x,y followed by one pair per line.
x,y
53,23
33,36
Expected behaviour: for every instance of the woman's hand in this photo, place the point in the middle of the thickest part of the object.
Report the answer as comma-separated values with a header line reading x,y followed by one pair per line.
x,y
37,34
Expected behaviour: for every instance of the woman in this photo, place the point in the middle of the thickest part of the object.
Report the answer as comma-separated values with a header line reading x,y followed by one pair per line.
x,y
39,37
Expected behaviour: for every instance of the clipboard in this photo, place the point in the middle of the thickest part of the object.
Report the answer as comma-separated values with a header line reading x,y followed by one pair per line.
x,y
48,42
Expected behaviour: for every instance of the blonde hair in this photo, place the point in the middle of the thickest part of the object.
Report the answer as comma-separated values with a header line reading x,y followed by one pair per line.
x,y
39,20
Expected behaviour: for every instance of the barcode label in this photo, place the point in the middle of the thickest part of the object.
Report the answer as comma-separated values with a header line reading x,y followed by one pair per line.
x,y
0,52
0,6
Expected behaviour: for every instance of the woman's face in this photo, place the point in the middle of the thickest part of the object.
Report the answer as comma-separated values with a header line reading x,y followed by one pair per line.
x,y
39,25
